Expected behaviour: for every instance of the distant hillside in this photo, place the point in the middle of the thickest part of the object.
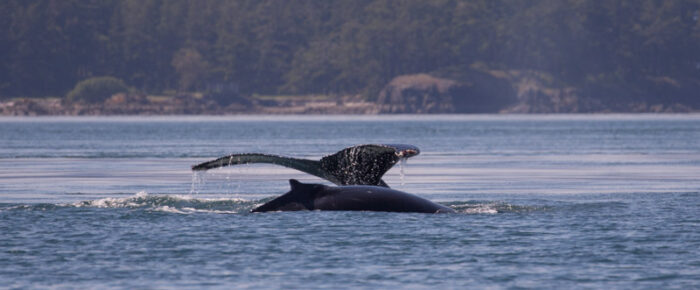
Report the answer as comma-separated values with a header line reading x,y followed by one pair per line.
x,y
497,55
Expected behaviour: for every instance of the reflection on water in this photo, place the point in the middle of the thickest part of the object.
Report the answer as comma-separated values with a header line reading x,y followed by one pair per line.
x,y
436,176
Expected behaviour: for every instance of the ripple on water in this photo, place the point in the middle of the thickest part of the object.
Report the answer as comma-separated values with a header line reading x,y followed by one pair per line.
x,y
187,204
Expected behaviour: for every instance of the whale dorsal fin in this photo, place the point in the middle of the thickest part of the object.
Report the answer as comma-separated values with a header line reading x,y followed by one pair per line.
x,y
356,165
294,184
299,197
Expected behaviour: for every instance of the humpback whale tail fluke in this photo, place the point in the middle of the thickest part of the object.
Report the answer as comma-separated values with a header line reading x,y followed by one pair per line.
x,y
356,165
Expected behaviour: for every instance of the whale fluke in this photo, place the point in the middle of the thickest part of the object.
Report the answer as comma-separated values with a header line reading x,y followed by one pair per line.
x,y
356,165
308,166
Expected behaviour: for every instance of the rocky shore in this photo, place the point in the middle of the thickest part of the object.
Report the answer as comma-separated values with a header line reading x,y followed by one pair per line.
x,y
123,104
528,92
474,91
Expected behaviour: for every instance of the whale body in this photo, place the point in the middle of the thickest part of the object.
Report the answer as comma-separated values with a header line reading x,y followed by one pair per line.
x,y
308,196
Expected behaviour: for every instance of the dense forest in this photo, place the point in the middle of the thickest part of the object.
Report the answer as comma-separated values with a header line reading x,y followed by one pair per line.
x,y
342,47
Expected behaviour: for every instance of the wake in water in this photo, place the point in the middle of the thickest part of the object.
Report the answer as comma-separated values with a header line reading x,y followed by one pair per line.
x,y
188,204
491,207
181,204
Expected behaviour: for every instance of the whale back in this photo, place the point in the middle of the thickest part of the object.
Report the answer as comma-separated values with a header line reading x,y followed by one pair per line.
x,y
300,197
374,198
304,196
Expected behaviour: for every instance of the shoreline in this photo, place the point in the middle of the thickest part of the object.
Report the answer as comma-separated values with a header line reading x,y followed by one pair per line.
x,y
355,117
187,105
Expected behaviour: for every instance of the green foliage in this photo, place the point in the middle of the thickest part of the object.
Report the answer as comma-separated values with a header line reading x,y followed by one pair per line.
x,y
340,47
191,67
97,89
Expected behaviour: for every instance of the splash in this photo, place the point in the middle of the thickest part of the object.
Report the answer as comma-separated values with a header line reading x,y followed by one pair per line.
x,y
491,207
402,165
188,204
112,202
180,204
231,183
197,181
477,209
230,180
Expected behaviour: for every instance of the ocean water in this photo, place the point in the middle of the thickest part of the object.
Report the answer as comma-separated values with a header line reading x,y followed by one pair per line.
x,y
561,201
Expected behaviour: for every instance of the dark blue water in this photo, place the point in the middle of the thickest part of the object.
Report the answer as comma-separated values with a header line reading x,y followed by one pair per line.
x,y
544,202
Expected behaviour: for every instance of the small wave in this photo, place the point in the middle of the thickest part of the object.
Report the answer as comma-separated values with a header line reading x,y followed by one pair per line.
x,y
494,207
594,206
35,207
181,204
188,204
490,207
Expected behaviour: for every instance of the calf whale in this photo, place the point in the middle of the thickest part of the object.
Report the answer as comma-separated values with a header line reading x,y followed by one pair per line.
x,y
356,165
307,196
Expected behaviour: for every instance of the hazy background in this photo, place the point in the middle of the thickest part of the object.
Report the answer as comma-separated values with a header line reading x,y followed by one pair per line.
x,y
606,55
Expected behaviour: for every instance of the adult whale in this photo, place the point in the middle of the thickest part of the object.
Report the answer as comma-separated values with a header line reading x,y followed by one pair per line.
x,y
356,165
307,196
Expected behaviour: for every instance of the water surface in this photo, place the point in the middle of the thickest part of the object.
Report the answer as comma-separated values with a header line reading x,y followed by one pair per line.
x,y
545,201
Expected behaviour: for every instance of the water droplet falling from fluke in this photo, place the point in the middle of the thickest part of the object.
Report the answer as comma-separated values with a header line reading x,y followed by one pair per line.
x,y
402,164
197,181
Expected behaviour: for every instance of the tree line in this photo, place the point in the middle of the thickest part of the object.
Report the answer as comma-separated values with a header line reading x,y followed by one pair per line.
x,y
337,47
